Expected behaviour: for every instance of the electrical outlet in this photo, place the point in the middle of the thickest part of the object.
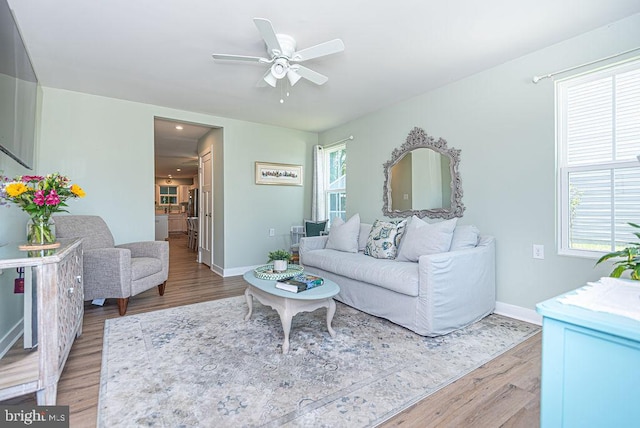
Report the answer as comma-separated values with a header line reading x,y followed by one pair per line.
x,y
538,251
272,232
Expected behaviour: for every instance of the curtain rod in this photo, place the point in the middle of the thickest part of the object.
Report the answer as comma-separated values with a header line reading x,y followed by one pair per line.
x,y
350,137
536,79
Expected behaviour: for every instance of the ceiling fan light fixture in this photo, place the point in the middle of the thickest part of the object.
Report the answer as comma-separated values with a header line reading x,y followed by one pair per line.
x,y
270,79
279,68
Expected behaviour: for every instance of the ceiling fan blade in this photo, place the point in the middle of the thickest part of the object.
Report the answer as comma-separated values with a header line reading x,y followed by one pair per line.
x,y
326,48
269,35
239,58
313,76
293,76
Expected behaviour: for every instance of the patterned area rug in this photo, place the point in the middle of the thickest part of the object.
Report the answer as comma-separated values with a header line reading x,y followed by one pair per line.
x,y
203,365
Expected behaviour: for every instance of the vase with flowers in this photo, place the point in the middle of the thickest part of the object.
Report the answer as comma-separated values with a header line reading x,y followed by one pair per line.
x,y
40,197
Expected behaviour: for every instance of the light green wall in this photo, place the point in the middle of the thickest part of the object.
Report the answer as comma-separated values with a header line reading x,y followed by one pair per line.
x,y
504,125
106,146
260,207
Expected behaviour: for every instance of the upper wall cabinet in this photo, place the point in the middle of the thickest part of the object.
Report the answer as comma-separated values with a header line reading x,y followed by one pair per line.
x,y
422,179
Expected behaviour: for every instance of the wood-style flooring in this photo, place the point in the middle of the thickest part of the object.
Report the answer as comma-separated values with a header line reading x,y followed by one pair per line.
x,y
503,393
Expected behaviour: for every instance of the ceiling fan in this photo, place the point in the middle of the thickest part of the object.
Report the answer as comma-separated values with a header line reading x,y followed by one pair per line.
x,y
284,58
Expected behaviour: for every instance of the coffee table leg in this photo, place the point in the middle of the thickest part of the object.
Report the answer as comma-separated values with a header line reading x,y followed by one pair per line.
x,y
331,310
285,318
249,298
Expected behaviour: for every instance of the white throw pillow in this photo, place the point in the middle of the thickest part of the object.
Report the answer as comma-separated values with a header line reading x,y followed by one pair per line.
x,y
365,229
464,236
344,236
384,238
422,238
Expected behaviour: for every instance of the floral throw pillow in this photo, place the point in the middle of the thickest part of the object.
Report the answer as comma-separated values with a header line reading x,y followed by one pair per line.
x,y
384,239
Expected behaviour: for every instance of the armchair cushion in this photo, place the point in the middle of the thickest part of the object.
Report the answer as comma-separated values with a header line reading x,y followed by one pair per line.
x,y
144,266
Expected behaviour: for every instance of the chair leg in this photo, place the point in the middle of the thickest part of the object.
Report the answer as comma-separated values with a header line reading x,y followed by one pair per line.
x,y
122,305
161,288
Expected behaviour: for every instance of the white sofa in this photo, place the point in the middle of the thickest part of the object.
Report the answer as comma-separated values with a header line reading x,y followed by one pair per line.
x,y
436,295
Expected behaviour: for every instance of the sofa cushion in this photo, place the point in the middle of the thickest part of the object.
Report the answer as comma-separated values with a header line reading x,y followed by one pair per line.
x,y
384,239
464,236
422,238
401,277
344,236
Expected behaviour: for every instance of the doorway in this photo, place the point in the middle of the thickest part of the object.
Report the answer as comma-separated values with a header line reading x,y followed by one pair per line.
x,y
178,178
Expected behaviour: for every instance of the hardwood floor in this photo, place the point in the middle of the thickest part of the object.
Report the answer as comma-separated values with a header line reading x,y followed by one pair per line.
x,y
503,393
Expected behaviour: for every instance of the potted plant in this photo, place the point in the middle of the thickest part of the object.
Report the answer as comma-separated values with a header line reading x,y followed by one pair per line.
x,y
629,258
279,259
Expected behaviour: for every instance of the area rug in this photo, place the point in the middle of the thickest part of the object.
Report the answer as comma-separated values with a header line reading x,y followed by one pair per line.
x,y
203,365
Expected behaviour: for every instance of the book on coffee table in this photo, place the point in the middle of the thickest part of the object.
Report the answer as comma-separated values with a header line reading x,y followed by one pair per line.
x,y
299,283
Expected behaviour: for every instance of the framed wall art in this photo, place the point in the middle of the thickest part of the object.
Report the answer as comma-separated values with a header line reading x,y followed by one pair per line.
x,y
279,174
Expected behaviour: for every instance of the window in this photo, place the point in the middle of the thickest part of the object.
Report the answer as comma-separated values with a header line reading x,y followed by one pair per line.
x,y
598,135
336,182
168,195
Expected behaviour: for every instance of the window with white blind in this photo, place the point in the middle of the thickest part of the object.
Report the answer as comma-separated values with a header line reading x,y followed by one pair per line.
x,y
336,182
598,135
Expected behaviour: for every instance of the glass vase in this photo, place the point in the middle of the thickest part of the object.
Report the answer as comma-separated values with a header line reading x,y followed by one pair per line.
x,y
41,231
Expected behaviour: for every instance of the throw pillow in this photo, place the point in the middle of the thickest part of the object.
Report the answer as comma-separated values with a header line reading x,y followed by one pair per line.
x,y
384,238
464,236
344,236
365,229
314,228
424,238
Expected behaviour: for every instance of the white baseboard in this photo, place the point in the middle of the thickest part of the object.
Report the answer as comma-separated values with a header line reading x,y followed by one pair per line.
x,y
237,271
11,338
519,313
217,270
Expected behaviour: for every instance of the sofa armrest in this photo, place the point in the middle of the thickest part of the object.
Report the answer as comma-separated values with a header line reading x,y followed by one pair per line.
x,y
107,273
155,249
311,243
459,286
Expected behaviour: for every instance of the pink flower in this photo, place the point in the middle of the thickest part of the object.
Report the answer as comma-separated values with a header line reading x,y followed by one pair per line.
x,y
32,178
38,198
52,198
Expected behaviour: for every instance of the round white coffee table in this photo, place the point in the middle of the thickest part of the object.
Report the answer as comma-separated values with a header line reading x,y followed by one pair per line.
x,y
287,304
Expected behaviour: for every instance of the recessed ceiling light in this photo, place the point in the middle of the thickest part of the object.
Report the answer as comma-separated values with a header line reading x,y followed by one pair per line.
x,y
178,170
179,127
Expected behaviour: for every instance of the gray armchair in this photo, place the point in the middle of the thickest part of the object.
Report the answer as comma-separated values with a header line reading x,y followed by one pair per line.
x,y
115,271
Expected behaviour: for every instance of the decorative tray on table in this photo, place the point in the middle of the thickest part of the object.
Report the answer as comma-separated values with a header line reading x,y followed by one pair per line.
x,y
266,272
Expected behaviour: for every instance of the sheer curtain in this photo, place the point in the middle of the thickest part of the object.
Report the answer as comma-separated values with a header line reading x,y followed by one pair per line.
x,y
317,202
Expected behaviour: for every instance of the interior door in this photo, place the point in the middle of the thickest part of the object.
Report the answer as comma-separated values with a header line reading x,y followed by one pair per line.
x,y
205,233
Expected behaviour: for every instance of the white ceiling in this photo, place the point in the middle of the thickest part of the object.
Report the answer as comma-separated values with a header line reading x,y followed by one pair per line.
x,y
159,51
176,152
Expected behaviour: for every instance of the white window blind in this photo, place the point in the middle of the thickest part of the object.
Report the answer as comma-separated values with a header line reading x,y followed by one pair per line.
x,y
598,125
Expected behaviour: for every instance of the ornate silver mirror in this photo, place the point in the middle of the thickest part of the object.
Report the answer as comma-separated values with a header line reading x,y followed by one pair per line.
x,y
422,178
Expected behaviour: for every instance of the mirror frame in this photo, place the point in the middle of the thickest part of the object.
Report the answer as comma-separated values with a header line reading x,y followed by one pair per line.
x,y
417,138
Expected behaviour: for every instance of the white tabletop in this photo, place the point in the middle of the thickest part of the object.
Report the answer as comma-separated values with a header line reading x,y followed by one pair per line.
x,y
326,290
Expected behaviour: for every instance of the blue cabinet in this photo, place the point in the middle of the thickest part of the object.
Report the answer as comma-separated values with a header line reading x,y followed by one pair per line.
x,y
590,368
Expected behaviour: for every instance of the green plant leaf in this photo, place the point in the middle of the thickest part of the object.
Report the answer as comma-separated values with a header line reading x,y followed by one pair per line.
x,y
618,271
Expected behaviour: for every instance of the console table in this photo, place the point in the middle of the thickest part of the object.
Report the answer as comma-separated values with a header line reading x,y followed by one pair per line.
x,y
590,367
57,281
